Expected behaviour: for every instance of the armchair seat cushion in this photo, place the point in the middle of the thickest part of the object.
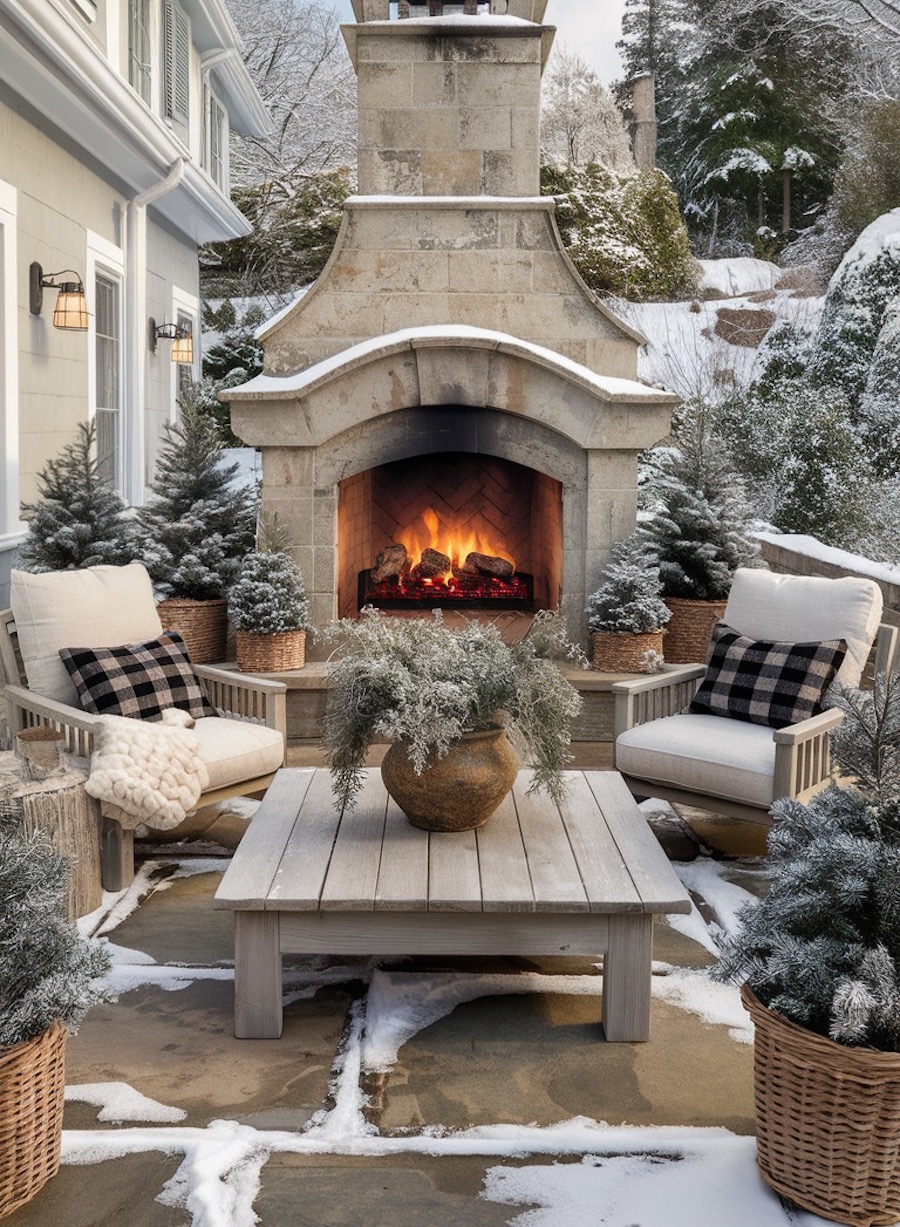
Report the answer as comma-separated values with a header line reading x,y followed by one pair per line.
x,y
702,753
236,750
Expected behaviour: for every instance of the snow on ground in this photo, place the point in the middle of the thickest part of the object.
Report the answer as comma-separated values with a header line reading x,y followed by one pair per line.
x,y
605,1176
738,275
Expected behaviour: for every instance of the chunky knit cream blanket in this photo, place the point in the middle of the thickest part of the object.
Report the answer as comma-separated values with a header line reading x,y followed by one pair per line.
x,y
147,772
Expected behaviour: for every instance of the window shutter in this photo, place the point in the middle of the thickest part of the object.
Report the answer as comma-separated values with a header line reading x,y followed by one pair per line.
x,y
177,54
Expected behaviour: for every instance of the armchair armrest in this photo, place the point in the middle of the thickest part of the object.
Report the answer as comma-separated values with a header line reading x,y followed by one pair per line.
x,y
803,755
655,696
27,710
246,698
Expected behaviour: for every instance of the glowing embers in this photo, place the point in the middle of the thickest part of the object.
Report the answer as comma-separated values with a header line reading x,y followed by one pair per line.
x,y
432,564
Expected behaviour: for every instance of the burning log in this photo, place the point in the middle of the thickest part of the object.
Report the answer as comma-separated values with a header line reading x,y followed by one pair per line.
x,y
431,564
390,562
488,565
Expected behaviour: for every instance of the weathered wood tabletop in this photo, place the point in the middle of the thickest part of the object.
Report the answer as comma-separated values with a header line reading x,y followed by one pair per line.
x,y
585,877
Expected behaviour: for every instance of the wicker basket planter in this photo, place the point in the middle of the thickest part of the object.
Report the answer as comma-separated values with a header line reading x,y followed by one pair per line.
x,y
623,651
32,1080
689,629
827,1120
270,653
203,625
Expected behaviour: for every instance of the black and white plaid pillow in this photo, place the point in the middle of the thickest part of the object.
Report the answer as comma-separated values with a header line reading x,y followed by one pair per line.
x,y
140,680
776,684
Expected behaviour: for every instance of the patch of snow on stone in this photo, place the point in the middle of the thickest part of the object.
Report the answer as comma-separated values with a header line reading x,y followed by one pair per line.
x,y
119,1102
810,547
693,990
738,275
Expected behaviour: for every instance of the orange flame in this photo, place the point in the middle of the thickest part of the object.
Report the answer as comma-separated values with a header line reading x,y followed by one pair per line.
x,y
428,532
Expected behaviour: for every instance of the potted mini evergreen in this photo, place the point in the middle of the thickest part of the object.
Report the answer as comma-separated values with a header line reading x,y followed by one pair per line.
x,y
268,605
195,530
627,615
699,531
458,706
819,961
50,979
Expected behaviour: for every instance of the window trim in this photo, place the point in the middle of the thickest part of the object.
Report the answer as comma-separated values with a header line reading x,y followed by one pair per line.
x,y
140,28
184,306
108,260
215,118
11,524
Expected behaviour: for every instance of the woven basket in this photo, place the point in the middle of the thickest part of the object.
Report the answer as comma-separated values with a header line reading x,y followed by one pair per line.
x,y
827,1120
270,653
203,625
622,652
689,629
32,1080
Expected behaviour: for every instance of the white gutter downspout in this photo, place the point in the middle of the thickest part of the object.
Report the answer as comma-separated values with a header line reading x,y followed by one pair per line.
x,y
136,329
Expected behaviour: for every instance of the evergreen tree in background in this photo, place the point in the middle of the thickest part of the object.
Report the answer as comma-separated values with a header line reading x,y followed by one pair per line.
x,y
199,524
700,524
823,946
80,520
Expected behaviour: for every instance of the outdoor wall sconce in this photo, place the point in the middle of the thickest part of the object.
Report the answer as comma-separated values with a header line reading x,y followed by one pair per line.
x,y
181,337
70,311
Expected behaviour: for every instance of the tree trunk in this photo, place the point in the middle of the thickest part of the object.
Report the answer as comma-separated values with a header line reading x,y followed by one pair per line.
x,y
785,200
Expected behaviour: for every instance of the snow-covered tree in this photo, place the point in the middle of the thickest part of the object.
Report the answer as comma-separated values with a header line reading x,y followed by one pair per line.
x,y
629,598
622,231
50,972
823,946
580,123
80,520
700,517
269,596
198,524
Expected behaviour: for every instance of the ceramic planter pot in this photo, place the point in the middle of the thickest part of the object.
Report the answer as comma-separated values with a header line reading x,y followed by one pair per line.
x,y
458,792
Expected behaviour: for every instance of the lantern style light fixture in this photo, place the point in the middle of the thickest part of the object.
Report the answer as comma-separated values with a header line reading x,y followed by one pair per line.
x,y
181,337
70,311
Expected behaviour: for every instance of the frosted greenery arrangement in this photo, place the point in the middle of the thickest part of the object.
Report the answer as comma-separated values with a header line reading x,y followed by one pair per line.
x,y
198,525
269,596
421,683
80,520
629,598
50,972
823,946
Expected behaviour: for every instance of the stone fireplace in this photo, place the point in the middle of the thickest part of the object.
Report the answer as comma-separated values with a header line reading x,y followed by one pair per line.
x,y
449,384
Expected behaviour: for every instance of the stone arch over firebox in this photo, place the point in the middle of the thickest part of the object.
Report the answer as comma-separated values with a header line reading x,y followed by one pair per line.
x,y
410,393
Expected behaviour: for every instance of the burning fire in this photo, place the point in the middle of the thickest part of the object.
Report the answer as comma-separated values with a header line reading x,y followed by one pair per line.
x,y
427,532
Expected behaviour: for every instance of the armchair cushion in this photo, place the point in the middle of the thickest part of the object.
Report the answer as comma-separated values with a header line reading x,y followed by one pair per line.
x,y
705,754
763,682
803,608
236,750
142,680
95,607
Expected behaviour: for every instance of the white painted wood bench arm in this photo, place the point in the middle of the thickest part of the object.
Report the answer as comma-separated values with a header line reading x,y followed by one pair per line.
x,y
803,755
655,696
247,698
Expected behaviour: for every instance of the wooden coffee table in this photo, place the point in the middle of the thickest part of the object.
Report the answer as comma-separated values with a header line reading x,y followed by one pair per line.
x,y
585,878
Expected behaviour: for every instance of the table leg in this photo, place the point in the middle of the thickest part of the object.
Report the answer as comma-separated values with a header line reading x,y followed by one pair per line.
x,y
257,976
626,977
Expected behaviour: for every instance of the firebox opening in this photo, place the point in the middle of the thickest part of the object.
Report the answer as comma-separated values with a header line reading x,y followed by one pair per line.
x,y
449,530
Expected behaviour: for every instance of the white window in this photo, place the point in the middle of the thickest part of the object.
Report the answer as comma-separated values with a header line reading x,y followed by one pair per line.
x,y
176,62
216,145
108,366
9,370
139,72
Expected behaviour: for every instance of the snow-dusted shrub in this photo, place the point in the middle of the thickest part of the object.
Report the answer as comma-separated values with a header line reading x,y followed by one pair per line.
x,y
700,516
50,972
879,410
862,288
629,598
623,230
823,946
269,596
196,528
80,520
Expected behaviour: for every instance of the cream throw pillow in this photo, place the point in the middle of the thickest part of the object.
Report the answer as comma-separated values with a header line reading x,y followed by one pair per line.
x,y
99,607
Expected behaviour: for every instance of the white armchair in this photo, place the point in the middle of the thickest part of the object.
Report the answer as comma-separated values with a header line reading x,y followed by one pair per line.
x,y
730,766
108,607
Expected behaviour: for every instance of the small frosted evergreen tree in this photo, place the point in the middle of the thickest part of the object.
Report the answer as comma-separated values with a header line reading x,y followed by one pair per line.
x,y
629,597
269,596
823,946
701,518
50,972
80,520
198,525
